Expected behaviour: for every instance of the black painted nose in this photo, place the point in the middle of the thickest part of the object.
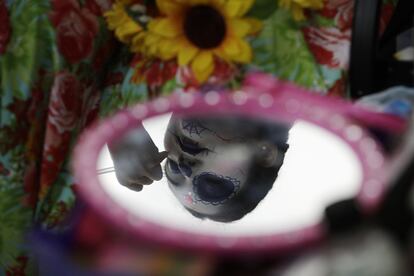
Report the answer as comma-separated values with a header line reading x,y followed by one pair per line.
x,y
211,188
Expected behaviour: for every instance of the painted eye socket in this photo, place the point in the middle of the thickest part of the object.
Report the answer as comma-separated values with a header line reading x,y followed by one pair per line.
x,y
173,167
214,189
189,146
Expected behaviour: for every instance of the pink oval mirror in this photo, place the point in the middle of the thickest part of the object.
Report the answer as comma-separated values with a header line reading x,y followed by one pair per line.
x,y
245,171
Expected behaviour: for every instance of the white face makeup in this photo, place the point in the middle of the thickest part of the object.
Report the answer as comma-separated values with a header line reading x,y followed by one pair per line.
x,y
318,169
207,165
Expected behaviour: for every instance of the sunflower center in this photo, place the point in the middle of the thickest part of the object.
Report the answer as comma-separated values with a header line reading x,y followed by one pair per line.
x,y
204,26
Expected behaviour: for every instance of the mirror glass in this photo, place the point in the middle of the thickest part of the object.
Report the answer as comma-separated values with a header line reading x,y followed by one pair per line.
x,y
228,175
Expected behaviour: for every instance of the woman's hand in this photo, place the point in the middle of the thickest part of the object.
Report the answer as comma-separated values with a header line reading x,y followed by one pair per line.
x,y
136,159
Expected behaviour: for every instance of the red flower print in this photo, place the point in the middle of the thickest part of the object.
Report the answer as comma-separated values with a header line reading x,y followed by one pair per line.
x,y
90,106
223,72
17,134
51,166
114,79
154,72
58,215
330,46
63,117
65,102
98,7
30,188
75,28
19,267
341,10
159,73
339,88
186,77
101,56
4,27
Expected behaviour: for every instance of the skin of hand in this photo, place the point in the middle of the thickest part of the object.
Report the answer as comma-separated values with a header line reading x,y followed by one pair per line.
x,y
136,159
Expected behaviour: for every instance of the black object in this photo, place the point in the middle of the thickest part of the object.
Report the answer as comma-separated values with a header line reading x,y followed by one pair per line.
x,y
343,216
372,65
396,214
363,46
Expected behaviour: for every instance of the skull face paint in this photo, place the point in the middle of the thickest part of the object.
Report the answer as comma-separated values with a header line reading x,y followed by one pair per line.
x,y
212,166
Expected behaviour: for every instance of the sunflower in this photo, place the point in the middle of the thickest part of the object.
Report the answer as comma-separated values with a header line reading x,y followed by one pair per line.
x,y
196,32
297,6
120,19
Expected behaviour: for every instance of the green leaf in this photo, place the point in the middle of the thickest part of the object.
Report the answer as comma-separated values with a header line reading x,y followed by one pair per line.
x,y
117,97
14,217
322,21
30,47
169,87
281,49
263,9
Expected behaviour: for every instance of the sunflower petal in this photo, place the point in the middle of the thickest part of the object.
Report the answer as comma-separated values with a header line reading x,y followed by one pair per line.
x,y
298,13
165,27
297,6
313,4
152,40
169,7
238,8
128,30
203,65
247,5
186,53
152,43
240,27
114,21
168,49
137,42
196,2
202,61
231,47
232,8
245,54
255,25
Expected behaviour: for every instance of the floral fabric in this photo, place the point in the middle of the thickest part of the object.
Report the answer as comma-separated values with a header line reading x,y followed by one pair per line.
x,y
60,66
49,72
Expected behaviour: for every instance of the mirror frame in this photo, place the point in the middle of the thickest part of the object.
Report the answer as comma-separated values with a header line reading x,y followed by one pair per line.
x,y
330,114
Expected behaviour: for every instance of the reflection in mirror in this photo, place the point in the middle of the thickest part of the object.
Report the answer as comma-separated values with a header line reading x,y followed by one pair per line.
x,y
221,168
228,175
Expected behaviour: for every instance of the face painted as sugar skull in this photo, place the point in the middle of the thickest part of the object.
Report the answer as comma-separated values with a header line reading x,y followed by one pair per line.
x,y
221,169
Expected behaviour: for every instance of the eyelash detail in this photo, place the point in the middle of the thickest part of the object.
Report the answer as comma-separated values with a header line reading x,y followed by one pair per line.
x,y
189,146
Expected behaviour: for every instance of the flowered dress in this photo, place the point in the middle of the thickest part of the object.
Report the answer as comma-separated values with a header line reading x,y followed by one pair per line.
x,y
63,64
